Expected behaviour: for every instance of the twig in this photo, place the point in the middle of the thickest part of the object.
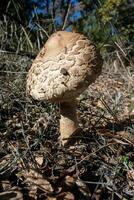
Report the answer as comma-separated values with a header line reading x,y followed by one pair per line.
x,y
93,153
121,49
53,15
109,110
43,30
66,15
21,53
12,72
96,183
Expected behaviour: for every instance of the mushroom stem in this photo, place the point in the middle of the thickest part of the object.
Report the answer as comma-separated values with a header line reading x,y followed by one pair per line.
x,y
68,121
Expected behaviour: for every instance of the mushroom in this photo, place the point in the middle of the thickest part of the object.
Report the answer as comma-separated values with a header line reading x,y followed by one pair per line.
x,y
67,64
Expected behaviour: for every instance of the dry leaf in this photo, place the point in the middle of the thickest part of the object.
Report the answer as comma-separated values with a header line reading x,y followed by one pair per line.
x,y
13,194
36,180
120,141
83,188
130,177
69,181
6,166
5,185
66,196
126,135
32,192
39,159
96,195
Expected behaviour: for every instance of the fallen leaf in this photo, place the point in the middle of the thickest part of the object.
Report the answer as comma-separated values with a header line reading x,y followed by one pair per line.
x,y
66,196
13,194
37,180
39,159
83,188
5,185
69,181
130,178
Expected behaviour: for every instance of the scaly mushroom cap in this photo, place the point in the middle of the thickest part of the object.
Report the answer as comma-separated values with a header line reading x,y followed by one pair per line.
x,y
67,64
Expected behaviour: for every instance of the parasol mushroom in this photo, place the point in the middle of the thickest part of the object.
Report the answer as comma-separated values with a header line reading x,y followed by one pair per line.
x,y
67,64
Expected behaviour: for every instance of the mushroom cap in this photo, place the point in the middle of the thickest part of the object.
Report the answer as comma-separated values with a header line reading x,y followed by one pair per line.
x,y
67,64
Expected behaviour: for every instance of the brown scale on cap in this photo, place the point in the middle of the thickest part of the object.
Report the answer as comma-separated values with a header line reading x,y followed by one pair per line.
x,y
67,64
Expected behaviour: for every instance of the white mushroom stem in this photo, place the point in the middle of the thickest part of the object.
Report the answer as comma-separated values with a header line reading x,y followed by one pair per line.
x,y
68,121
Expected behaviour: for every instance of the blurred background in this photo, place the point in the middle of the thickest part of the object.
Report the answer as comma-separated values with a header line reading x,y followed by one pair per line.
x,y
26,24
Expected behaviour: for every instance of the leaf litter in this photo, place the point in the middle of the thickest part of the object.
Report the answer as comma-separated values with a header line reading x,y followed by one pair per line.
x,y
99,165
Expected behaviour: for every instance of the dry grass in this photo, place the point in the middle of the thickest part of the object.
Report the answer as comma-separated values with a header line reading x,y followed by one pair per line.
x,y
34,165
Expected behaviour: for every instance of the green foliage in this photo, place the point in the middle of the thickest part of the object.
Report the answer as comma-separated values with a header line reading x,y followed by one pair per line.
x,y
110,9
107,21
92,25
23,28
126,162
116,12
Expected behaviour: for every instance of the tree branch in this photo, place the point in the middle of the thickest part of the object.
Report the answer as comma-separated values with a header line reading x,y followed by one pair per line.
x,y
66,14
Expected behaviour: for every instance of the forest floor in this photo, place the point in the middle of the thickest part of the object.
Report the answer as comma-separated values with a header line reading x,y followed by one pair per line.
x,y
34,164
